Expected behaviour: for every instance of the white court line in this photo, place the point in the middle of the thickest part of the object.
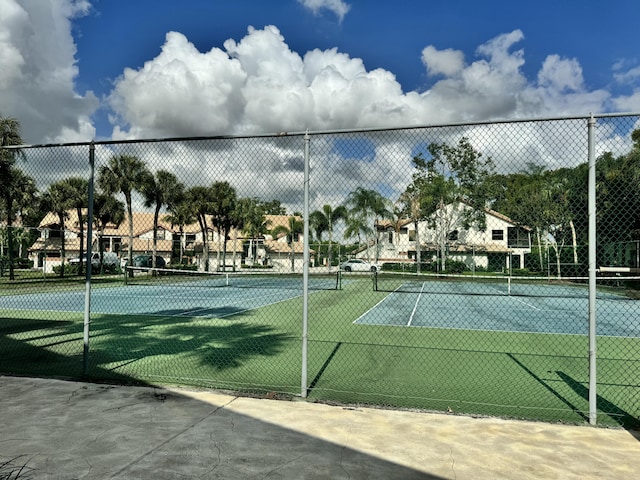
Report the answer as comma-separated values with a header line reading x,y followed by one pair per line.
x,y
415,307
516,299
374,307
528,304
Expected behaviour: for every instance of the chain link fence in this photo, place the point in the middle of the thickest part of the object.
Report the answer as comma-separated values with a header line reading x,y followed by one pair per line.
x,y
441,268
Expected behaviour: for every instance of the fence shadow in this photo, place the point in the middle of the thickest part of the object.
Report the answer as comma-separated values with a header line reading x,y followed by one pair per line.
x,y
620,416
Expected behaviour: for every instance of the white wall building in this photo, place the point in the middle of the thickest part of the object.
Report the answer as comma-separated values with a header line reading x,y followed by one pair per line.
x,y
502,245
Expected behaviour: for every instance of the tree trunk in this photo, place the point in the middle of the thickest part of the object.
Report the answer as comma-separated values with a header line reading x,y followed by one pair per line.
x,y
9,204
574,239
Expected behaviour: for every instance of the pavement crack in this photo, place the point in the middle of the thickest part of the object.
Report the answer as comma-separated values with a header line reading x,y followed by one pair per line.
x,y
273,470
173,437
453,463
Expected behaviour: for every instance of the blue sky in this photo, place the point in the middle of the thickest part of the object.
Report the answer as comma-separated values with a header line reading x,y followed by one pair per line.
x,y
83,69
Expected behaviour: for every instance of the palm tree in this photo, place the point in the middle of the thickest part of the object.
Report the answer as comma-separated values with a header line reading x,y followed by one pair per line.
x,y
26,207
371,206
251,218
319,225
107,210
293,229
76,190
200,200
123,174
223,204
356,226
158,191
9,136
54,200
328,216
180,214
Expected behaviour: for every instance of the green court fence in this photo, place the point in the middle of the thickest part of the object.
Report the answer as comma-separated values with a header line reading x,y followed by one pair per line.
x,y
486,268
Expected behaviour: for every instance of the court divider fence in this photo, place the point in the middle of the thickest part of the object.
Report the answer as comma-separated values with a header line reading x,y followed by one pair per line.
x,y
485,268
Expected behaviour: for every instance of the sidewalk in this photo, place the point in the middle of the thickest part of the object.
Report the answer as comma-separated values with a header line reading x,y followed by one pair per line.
x,y
70,430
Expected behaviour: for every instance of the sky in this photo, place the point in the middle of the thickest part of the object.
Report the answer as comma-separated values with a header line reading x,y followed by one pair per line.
x,y
80,70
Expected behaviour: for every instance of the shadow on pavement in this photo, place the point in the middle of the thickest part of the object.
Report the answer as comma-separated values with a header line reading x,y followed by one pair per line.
x,y
62,429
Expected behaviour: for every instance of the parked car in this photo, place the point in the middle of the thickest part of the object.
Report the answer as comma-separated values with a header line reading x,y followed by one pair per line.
x,y
358,265
109,258
146,261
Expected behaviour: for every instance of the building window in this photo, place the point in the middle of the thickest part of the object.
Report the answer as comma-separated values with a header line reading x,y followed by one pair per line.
x,y
390,237
497,234
517,238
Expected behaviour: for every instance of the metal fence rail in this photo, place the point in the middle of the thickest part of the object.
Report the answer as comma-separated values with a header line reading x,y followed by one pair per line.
x,y
487,268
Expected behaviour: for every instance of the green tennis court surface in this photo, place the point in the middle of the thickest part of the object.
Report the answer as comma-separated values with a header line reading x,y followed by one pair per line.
x,y
484,352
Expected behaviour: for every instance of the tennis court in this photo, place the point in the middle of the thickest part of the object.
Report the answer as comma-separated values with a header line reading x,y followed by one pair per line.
x,y
176,293
498,304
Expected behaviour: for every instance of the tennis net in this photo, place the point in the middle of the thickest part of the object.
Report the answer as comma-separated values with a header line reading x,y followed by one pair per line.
x,y
612,288
327,280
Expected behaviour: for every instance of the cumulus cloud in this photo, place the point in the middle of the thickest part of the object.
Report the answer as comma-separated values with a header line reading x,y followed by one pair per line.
x,y
338,7
37,54
447,62
561,75
259,85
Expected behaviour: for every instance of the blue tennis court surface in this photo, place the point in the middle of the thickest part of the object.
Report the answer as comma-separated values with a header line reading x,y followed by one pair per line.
x,y
501,312
154,300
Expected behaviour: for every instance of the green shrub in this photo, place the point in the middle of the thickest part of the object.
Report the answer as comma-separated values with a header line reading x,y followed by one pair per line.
x,y
182,266
24,263
455,266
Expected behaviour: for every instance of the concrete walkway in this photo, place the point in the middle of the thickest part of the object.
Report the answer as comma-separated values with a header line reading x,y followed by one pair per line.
x,y
70,430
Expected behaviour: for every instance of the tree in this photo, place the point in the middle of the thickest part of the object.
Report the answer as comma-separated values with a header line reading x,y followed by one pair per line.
x,y
274,207
318,224
451,177
180,214
223,204
158,191
410,208
55,201
293,229
124,174
107,210
371,206
76,190
9,136
250,213
356,226
200,199
329,216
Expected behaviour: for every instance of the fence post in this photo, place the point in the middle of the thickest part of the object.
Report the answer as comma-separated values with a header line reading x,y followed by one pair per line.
x,y
593,394
305,268
87,295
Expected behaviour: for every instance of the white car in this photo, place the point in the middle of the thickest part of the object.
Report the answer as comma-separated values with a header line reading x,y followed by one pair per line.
x,y
358,265
109,258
